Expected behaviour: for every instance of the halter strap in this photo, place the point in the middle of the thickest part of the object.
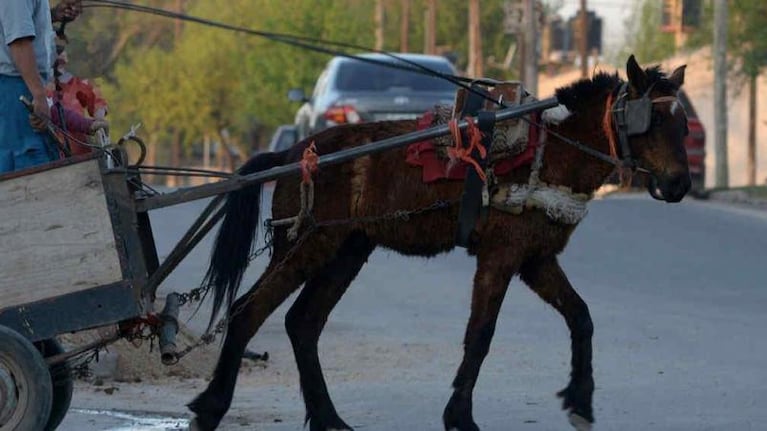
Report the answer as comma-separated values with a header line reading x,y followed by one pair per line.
x,y
663,99
607,127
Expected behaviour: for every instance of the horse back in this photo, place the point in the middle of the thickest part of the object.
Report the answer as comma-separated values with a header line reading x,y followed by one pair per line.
x,y
387,199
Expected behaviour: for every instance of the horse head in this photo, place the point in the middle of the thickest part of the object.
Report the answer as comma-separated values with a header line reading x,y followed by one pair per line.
x,y
651,125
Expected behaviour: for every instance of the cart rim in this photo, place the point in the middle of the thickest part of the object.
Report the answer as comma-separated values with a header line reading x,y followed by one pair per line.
x,y
14,392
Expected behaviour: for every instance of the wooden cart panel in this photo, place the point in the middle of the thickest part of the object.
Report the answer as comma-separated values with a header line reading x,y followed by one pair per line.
x,y
56,234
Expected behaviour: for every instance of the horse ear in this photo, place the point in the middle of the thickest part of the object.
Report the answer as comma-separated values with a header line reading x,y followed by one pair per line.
x,y
637,76
677,76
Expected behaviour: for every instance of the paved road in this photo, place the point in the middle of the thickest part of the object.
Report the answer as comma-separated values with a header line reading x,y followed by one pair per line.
x,y
677,293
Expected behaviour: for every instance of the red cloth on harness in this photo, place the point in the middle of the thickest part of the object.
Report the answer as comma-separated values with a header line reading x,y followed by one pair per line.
x,y
424,154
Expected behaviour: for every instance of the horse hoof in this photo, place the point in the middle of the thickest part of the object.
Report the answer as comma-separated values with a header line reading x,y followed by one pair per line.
x,y
579,422
195,425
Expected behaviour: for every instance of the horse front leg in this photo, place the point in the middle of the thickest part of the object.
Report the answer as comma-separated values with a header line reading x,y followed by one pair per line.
x,y
547,279
306,319
490,283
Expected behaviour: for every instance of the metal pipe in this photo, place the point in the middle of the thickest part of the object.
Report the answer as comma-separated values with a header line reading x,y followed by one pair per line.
x,y
186,244
169,329
239,182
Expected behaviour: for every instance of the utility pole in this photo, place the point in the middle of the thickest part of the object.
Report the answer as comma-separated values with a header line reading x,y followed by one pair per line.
x,y
430,37
475,67
531,47
404,30
720,93
751,153
583,42
379,25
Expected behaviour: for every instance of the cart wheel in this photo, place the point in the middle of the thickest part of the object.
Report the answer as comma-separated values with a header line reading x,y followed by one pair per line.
x,y
25,384
61,380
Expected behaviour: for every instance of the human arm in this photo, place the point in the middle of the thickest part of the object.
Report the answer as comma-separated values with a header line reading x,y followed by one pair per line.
x,y
78,123
23,55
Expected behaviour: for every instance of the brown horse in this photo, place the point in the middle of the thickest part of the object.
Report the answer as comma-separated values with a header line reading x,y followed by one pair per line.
x,y
329,257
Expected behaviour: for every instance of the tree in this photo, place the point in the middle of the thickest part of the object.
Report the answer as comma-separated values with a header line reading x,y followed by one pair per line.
x,y
643,36
747,57
202,81
749,47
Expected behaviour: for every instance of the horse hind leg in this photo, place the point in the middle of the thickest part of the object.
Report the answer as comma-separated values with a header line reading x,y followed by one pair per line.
x,y
549,281
491,281
306,319
249,313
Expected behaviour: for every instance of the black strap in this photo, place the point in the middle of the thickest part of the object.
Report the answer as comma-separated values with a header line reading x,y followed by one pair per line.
x,y
471,200
486,124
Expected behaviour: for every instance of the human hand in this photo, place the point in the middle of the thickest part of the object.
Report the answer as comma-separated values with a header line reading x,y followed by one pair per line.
x,y
101,113
66,10
99,124
41,113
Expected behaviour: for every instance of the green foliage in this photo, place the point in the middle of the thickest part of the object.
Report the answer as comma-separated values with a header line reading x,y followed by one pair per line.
x,y
644,38
207,79
746,36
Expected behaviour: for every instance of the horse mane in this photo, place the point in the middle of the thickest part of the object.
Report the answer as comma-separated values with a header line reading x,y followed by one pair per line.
x,y
581,93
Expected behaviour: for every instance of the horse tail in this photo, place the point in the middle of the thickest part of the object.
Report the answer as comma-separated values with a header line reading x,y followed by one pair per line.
x,y
237,236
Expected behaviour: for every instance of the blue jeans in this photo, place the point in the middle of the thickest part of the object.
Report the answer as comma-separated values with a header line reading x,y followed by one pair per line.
x,y
20,145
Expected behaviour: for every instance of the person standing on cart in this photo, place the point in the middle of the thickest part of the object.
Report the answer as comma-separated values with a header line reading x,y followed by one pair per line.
x,y
27,53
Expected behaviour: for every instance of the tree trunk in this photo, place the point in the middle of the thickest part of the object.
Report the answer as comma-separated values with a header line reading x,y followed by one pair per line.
x,y
583,42
404,33
175,158
151,158
430,38
531,47
475,67
751,165
379,25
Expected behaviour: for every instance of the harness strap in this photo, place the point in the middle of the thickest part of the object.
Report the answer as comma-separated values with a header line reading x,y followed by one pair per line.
x,y
607,126
621,125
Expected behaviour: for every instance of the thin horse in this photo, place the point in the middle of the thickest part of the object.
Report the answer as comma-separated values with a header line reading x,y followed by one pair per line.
x,y
637,120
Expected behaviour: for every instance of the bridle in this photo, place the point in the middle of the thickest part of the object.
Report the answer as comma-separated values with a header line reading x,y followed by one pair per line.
x,y
626,118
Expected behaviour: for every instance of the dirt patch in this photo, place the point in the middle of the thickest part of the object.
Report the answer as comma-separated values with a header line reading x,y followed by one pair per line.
x,y
125,361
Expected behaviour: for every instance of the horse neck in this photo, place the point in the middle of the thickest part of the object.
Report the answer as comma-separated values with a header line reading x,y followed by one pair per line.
x,y
566,165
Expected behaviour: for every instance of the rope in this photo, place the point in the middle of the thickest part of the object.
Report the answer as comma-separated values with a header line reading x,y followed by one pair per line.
x,y
309,163
459,152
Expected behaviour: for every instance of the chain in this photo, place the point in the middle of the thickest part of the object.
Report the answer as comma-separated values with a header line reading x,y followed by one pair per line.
x,y
82,369
76,367
398,215
194,295
210,336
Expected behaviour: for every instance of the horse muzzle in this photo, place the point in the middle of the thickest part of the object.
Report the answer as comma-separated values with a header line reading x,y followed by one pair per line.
x,y
669,188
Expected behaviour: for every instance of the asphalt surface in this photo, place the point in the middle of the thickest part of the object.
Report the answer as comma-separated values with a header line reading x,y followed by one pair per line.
x,y
677,294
